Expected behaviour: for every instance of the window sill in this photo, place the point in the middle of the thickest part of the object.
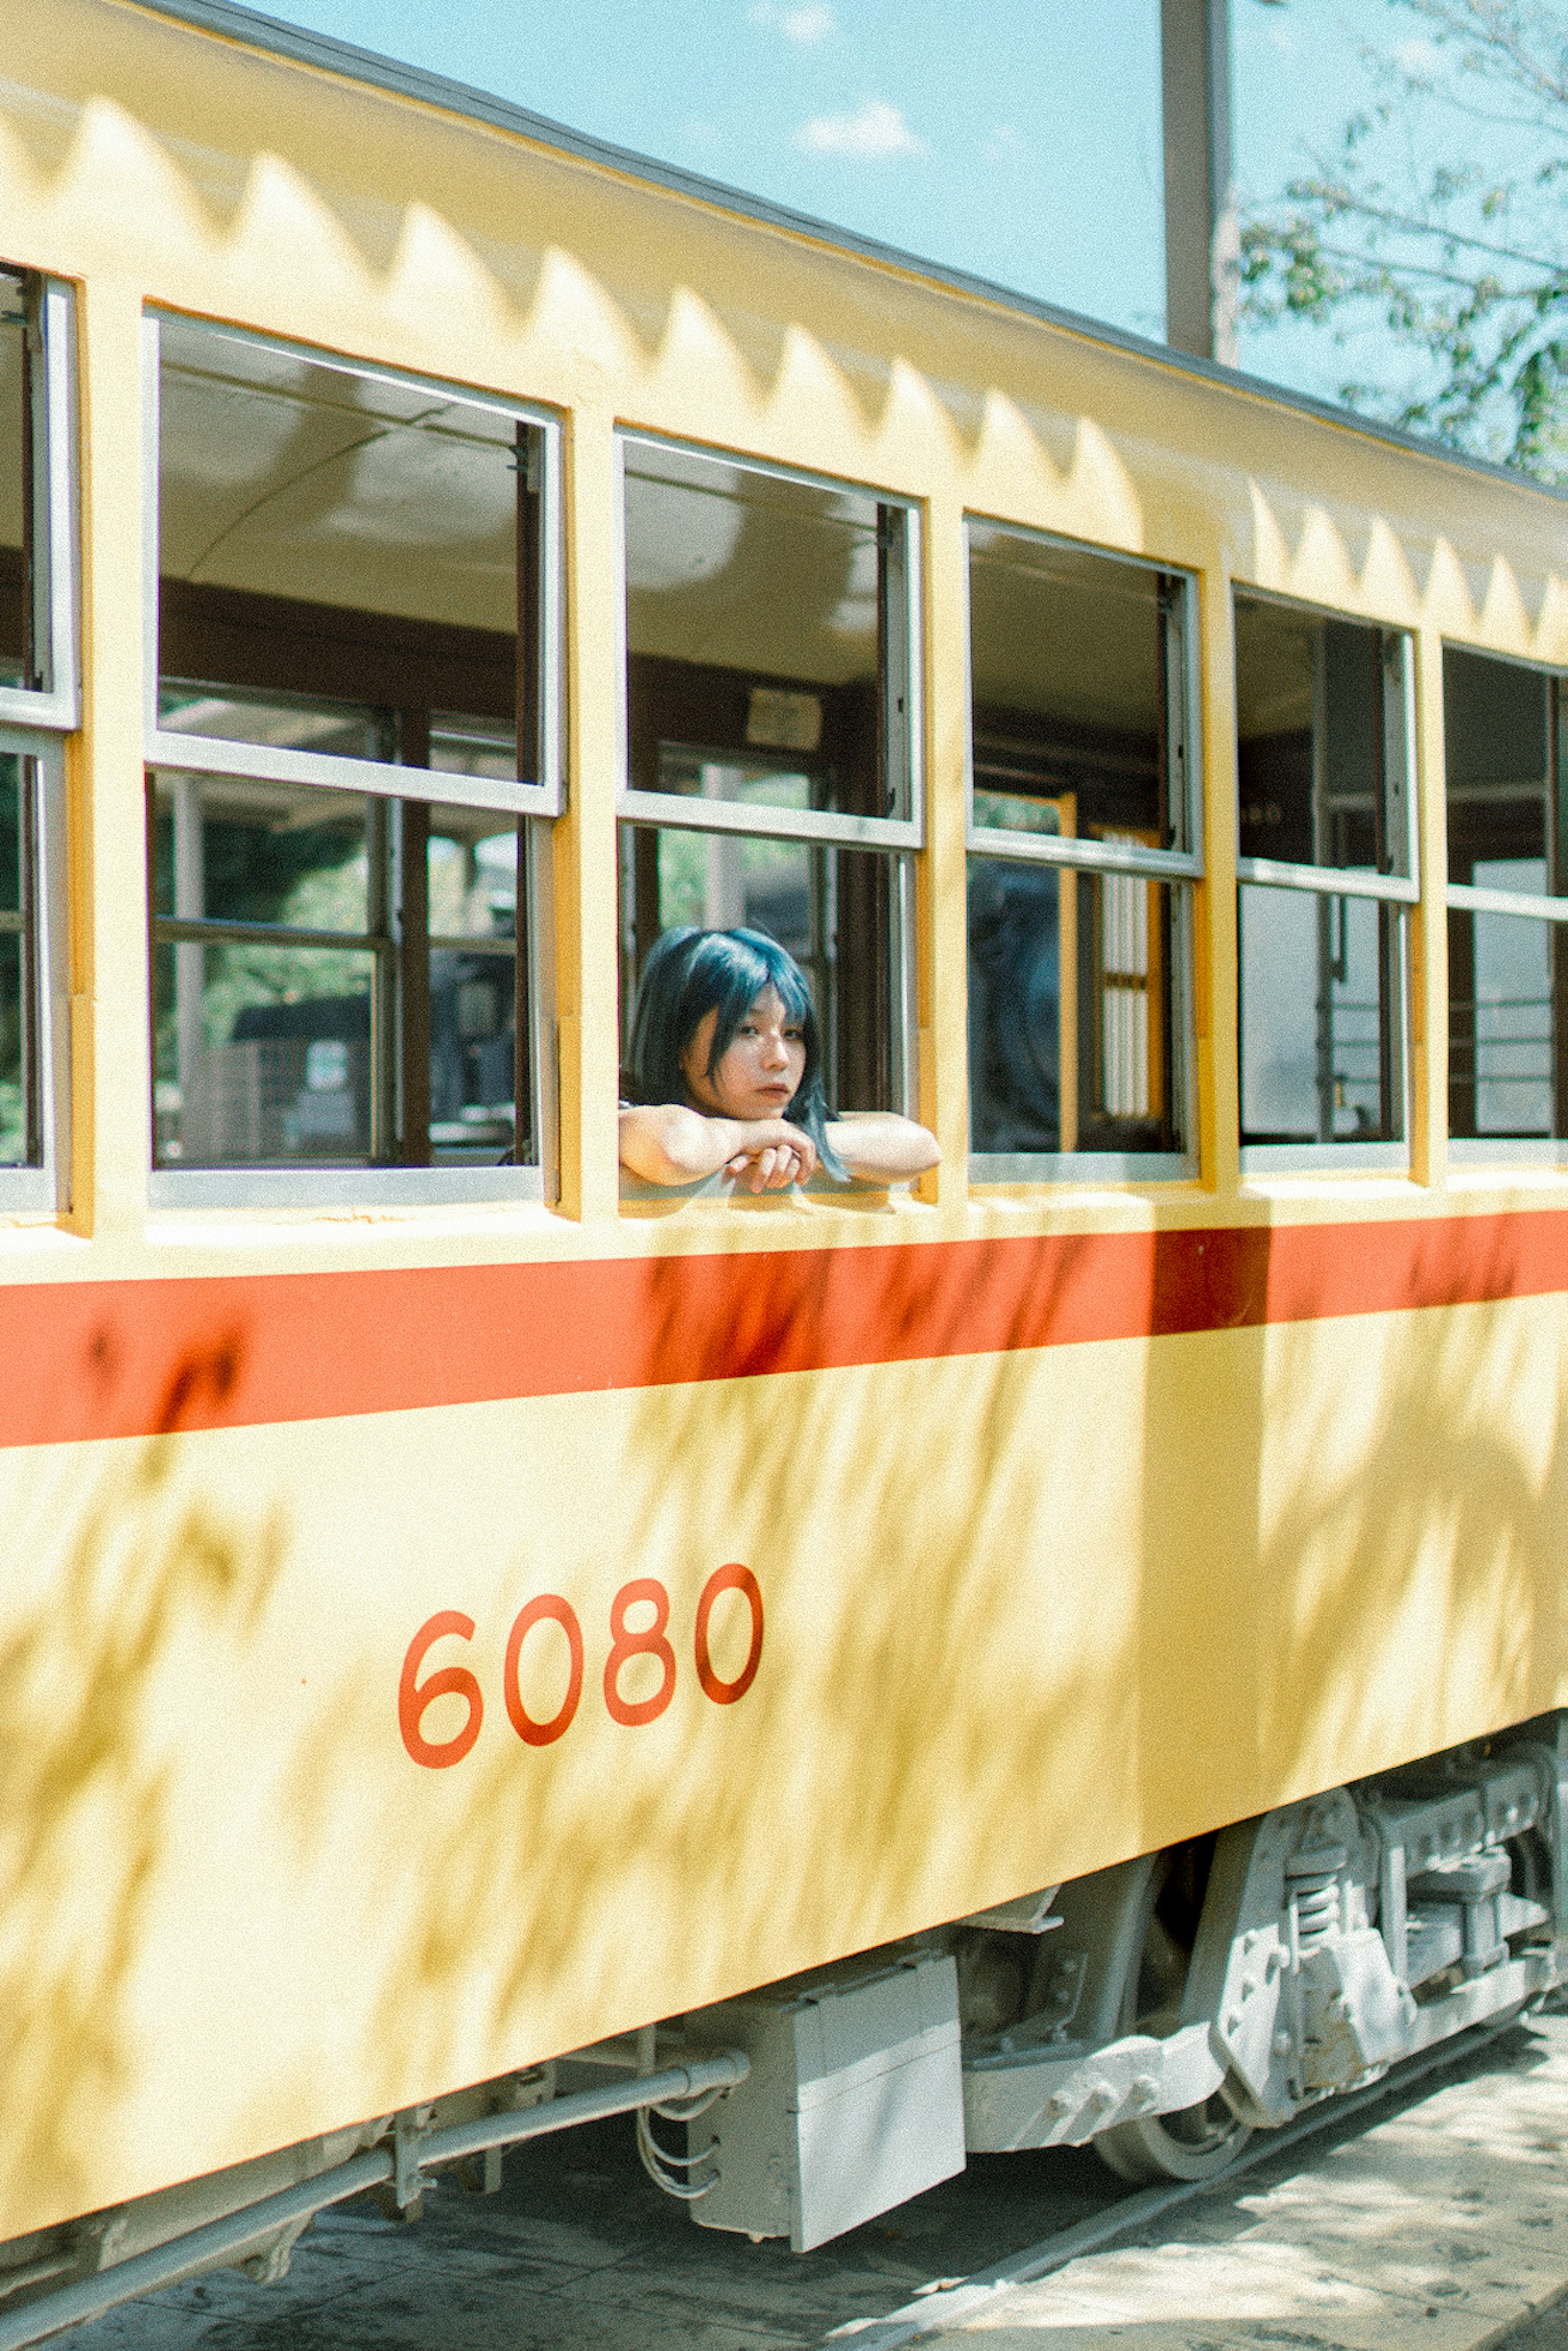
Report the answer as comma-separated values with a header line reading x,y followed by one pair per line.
x,y
266,1188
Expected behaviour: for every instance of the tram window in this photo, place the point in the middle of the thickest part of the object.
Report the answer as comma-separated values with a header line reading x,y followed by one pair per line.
x,y
1506,740
37,590
1080,839
768,638
770,675
328,534
38,706
17,1121
14,665
355,582
335,978
836,909
1325,817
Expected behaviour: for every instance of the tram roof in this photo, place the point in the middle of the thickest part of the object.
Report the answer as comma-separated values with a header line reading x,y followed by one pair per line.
x,y
321,50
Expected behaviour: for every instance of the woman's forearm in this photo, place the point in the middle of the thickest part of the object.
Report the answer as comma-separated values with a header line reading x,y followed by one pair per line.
x,y
665,1143
882,1148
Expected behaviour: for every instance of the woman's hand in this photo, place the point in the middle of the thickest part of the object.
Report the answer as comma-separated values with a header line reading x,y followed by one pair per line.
x,y
773,1156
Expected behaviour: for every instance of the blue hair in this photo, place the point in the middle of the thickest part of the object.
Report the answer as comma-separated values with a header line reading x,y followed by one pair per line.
x,y
693,972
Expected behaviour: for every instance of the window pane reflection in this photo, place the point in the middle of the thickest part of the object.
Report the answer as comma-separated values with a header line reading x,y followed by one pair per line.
x,y
1075,668
1318,1018
1505,980
1321,739
1069,1011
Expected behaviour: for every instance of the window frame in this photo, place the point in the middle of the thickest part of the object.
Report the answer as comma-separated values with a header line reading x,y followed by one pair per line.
x,y
384,1183
682,811
56,534
1464,898
1010,1169
33,722
902,837
1403,889
42,1182
215,756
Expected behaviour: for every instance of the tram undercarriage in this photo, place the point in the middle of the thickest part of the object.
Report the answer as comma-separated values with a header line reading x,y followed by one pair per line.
x,y
1163,2009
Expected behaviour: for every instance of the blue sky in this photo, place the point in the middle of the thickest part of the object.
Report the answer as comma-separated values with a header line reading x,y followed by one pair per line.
x,y
1019,139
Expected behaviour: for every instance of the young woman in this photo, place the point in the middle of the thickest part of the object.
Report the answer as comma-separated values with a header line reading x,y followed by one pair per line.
x,y
726,1076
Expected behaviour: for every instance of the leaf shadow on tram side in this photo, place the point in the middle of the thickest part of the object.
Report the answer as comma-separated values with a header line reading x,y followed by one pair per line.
x,y
928,1728
109,1568
1373,1571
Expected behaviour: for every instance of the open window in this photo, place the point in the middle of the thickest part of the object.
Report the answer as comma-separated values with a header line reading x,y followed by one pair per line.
x,y
354,741
38,706
770,765
1327,863
1082,833
1506,737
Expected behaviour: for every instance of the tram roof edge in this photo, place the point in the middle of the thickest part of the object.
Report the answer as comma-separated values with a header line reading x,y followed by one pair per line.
x,y
249,27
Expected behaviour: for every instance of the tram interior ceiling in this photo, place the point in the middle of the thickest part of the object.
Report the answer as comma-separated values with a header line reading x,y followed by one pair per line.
x,y
347,570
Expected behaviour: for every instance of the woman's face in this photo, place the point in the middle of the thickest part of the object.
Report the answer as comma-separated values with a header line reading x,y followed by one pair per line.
x,y
758,1074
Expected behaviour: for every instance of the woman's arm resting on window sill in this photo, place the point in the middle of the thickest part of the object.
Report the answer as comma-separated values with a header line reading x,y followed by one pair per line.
x,y
880,1148
665,1143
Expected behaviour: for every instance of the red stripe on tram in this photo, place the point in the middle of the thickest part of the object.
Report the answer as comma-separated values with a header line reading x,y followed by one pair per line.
x,y
132,1358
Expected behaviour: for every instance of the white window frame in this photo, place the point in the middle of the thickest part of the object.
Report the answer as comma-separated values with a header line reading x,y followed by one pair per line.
x,y
55,531
44,1185
33,722
904,835
308,1186
1510,1149
1333,881
681,810
1086,856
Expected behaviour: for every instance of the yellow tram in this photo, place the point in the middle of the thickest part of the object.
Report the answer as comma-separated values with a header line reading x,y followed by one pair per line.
x,y
1068,1649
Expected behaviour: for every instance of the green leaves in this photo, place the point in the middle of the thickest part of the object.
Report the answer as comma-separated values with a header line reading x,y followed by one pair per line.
x,y
1442,218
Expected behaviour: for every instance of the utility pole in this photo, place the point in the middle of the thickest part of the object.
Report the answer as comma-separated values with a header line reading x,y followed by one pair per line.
x,y
1203,236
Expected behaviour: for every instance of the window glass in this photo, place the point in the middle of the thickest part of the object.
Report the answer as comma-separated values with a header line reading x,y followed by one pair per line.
x,y
1076,736
335,976
1321,739
1506,773
326,538
15,1122
1495,720
472,878
1072,674
1318,1018
1070,1010
14,477
765,634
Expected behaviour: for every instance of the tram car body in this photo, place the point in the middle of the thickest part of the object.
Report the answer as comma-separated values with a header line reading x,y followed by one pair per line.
x,y
1072,1649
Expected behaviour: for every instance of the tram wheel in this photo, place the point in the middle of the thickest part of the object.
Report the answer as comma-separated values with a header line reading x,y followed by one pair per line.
x,y
1197,2142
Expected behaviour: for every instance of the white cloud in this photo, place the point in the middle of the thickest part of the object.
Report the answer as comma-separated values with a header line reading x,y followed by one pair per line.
x,y
876,129
810,22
